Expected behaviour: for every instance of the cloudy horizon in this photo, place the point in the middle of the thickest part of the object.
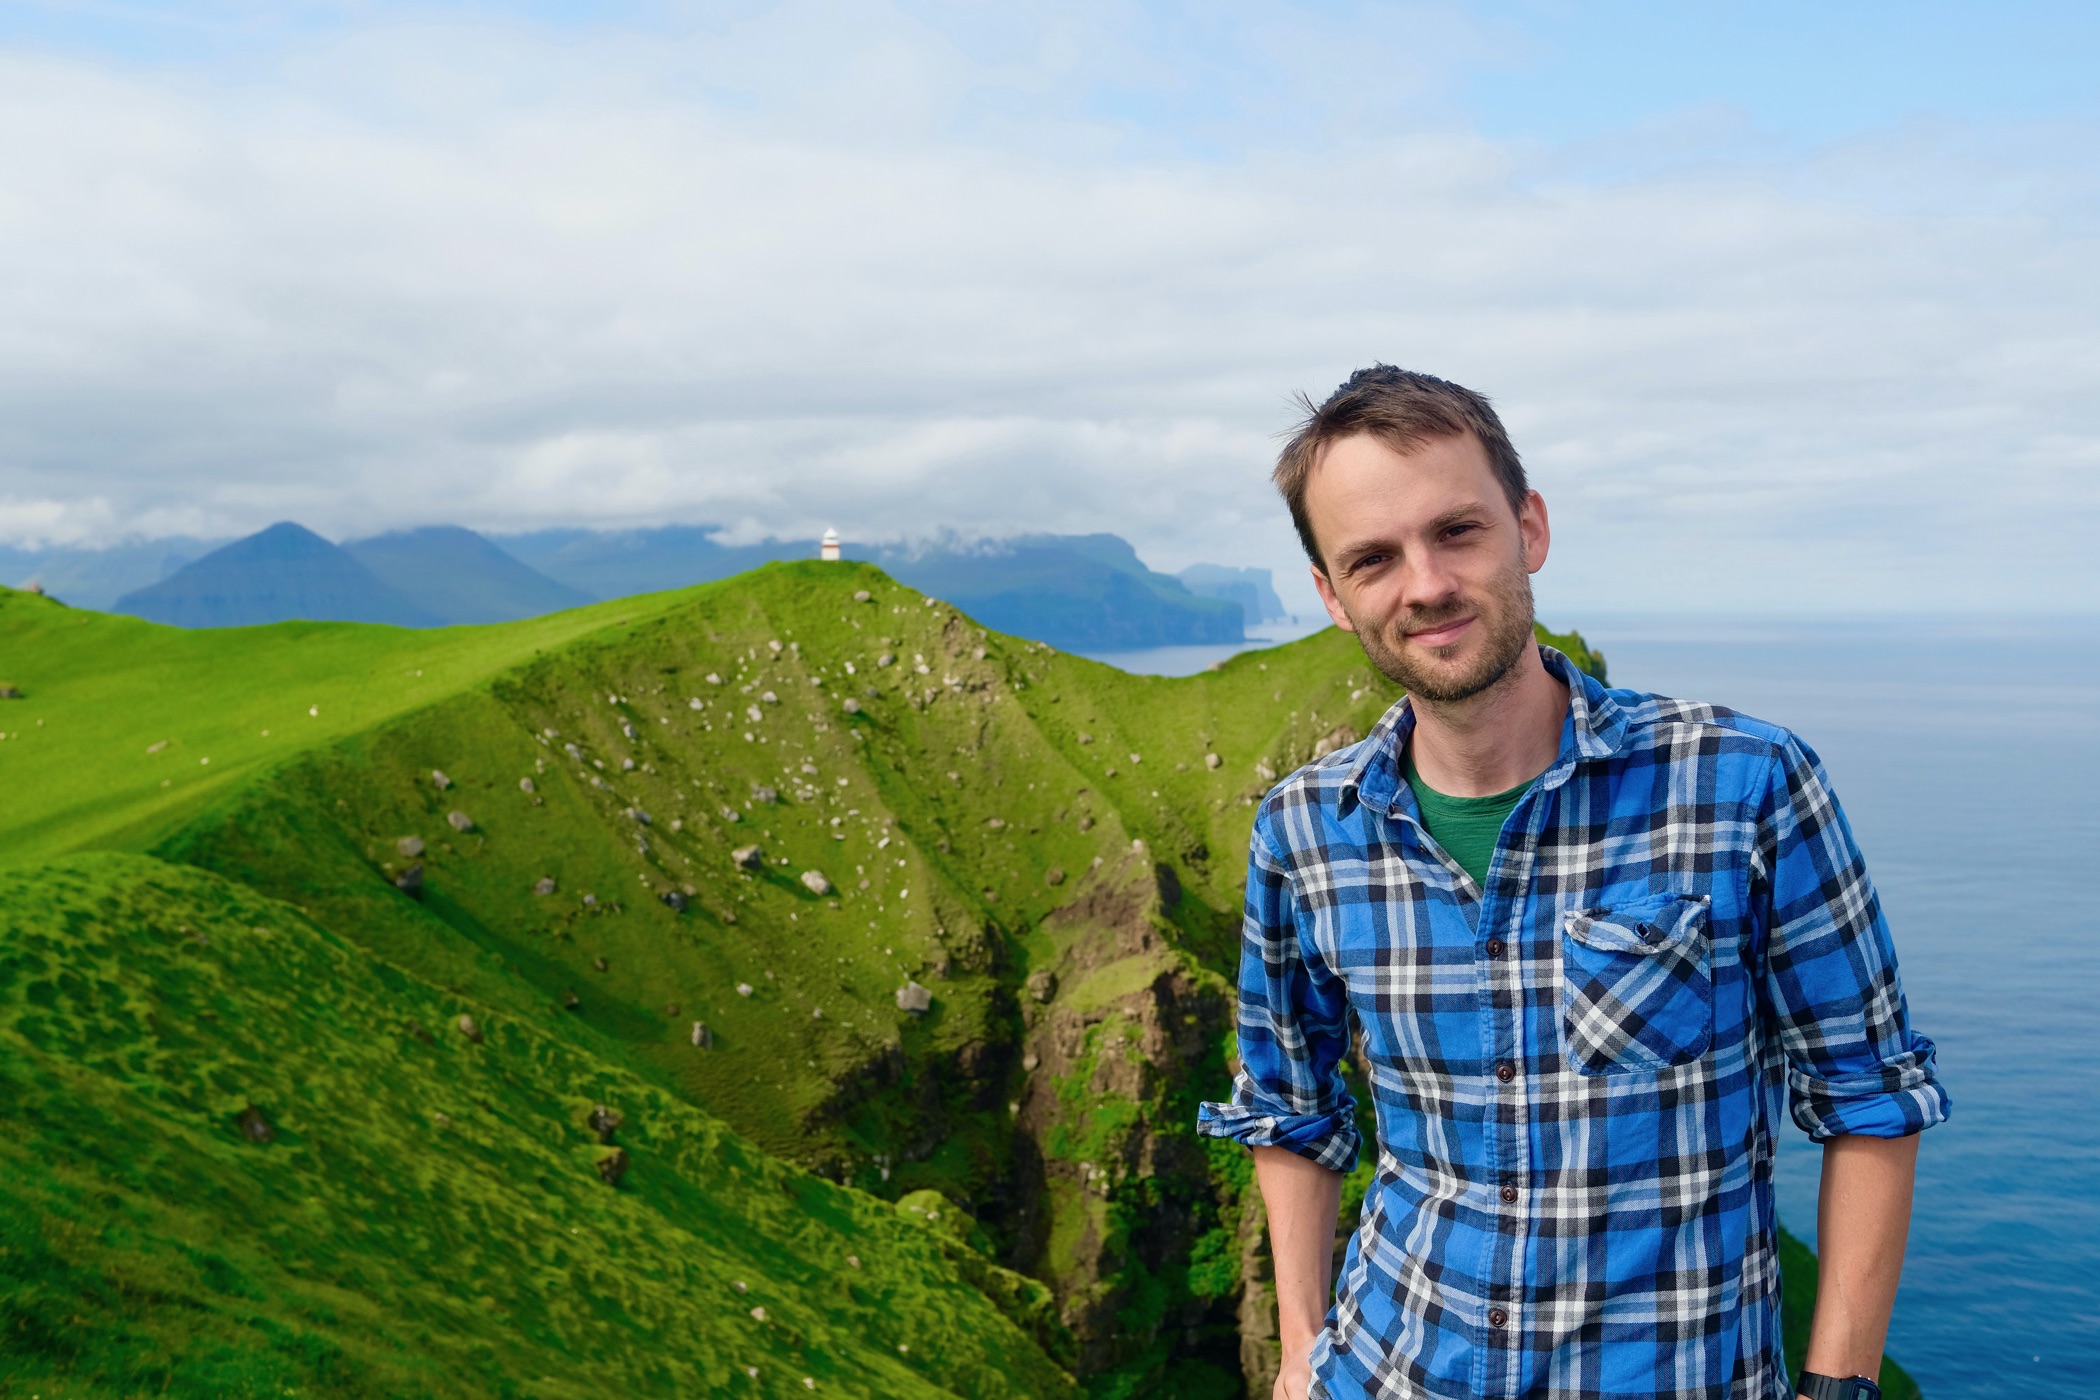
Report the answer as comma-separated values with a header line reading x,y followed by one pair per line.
x,y
1769,339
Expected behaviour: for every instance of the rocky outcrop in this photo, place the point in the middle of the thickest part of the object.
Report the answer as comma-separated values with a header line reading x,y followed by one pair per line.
x,y
1117,1027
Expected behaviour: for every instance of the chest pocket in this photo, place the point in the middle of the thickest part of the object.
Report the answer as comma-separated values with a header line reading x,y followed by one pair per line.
x,y
1637,985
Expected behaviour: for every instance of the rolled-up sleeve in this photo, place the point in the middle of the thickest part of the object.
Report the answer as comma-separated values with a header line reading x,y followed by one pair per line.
x,y
1854,1065
1293,1031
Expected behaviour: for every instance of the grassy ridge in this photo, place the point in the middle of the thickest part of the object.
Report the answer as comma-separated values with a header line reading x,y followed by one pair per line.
x,y
428,1216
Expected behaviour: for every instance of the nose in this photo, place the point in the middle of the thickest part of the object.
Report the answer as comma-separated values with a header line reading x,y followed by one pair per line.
x,y
1425,583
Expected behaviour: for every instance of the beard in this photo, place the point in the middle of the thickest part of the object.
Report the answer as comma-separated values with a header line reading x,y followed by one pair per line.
x,y
1505,614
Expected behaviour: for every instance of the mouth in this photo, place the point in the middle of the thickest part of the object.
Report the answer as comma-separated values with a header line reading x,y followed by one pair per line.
x,y
1442,635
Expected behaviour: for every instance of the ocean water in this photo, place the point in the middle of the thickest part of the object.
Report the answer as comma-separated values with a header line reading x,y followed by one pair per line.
x,y
1967,757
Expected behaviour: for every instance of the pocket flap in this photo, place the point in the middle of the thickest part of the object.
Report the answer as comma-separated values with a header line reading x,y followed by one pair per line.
x,y
1638,926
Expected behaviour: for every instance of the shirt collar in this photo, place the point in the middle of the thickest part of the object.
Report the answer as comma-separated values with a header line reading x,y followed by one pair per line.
x,y
1595,728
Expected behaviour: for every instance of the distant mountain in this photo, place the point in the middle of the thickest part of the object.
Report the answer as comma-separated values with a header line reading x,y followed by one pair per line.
x,y
1077,592
96,578
286,571
622,563
459,576
1253,589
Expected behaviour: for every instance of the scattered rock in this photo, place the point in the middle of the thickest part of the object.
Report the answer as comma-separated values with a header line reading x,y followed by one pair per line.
x,y
1211,760
852,706
525,785
1042,984
743,989
770,698
1086,824
598,963
703,1038
764,794
1086,738
10,692
636,814
604,1122
1339,737
1029,1062
254,1126
758,1313
627,728
419,1031
815,883
749,857
459,821
155,747
995,823
570,1001
544,885
626,765
675,899
853,1261
1054,876
612,1166
731,814
914,998
467,1026
439,780
410,846
410,881
713,678
886,659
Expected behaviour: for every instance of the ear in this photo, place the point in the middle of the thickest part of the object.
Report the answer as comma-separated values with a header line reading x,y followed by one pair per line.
x,y
1330,602
1536,530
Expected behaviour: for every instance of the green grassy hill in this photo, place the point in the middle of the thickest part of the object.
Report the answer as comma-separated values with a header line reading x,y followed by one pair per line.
x,y
890,936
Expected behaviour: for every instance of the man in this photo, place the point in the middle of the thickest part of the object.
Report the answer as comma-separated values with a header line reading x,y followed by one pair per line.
x,y
1592,940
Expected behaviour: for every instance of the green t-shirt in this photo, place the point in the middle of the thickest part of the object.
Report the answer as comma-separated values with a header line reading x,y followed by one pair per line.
x,y
1467,827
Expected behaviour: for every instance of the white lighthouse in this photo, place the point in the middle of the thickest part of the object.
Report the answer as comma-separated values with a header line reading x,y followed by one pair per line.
x,y
830,548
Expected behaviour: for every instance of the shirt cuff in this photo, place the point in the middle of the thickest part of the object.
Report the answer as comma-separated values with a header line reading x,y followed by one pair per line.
x,y
1330,1139
1896,1099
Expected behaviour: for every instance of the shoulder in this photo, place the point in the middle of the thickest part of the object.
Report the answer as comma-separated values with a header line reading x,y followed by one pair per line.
x,y
1664,721
1298,810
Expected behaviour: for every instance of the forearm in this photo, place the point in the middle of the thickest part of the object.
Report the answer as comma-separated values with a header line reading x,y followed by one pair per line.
x,y
1301,1197
1862,1224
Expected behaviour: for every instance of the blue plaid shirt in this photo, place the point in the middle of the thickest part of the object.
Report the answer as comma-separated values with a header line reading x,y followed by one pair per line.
x,y
1577,1066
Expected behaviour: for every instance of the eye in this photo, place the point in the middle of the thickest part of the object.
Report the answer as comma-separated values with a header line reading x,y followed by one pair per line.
x,y
1463,528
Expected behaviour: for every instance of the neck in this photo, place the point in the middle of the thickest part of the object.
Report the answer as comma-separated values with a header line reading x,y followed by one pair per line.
x,y
1491,742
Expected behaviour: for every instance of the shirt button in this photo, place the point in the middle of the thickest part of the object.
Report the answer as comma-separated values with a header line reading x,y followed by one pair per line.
x,y
1494,947
1509,1195
1497,1317
1505,1072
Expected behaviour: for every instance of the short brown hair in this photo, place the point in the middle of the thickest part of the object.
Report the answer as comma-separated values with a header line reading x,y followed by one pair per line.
x,y
1403,410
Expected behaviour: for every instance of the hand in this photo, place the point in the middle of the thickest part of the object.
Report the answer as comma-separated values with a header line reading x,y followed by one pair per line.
x,y
1294,1381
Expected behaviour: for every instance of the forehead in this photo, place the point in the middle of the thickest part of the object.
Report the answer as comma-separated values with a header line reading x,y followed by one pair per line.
x,y
1362,484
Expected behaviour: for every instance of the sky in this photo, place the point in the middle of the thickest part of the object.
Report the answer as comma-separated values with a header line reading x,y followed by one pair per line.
x,y
1790,308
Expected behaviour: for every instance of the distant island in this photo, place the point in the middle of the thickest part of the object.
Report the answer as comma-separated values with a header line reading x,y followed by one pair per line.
x,y
1076,592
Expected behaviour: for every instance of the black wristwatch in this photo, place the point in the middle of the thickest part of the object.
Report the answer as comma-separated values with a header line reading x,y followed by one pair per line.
x,y
1817,1387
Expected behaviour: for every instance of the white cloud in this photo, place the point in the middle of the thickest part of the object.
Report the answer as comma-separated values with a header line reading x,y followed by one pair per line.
x,y
825,266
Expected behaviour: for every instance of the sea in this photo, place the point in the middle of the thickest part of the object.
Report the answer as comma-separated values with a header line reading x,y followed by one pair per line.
x,y
1967,756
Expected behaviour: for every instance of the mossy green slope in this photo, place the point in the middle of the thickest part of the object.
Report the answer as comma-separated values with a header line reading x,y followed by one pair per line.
x,y
428,1215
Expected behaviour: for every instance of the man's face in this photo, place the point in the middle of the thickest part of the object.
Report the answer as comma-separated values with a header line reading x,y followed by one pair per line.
x,y
1426,562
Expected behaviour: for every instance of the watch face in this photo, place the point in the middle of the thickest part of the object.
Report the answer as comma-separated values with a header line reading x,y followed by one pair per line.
x,y
1860,1388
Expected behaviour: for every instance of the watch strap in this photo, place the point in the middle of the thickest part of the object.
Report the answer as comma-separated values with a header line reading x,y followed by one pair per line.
x,y
1817,1387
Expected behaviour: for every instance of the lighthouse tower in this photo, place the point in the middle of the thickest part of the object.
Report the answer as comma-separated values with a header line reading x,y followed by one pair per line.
x,y
830,548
